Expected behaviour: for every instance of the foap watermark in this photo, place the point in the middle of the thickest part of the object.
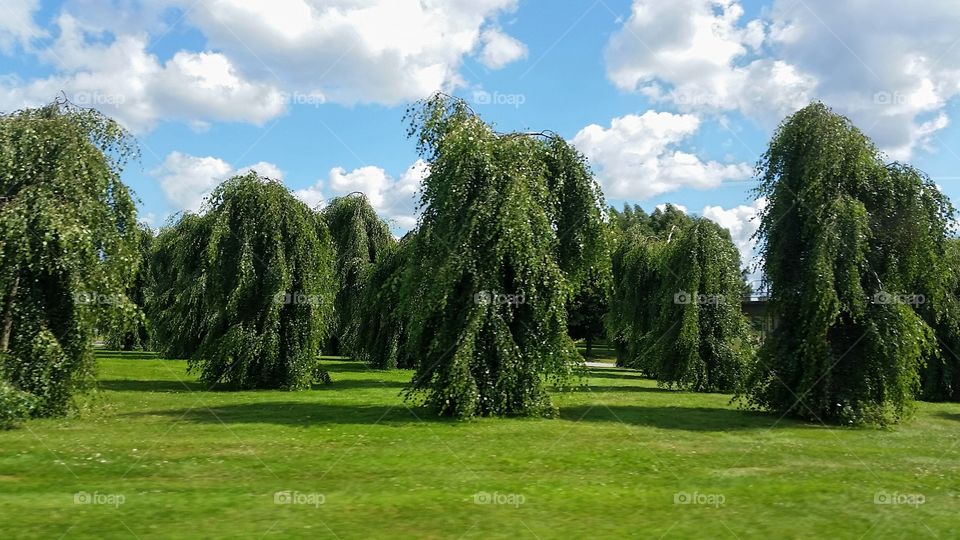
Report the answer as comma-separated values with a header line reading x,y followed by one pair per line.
x,y
900,499
97,498
684,298
884,297
482,97
891,98
98,98
299,497
495,497
299,98
497,298
91,298
715,500
697,99
298,299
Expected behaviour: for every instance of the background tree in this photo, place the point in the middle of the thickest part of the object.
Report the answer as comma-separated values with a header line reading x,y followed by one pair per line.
x,y
257,271
587,310
133,333
494,262
636,279
382,316
841,351
940,376
700,339
360,239
68,240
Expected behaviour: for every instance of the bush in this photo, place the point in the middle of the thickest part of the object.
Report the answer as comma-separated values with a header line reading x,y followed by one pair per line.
x,y
15,405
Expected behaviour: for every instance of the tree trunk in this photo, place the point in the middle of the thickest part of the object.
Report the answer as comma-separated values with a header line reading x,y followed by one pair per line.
x,y
589,341
8,315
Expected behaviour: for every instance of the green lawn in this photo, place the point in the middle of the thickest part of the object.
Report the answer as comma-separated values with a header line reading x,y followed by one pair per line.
x,y
163,458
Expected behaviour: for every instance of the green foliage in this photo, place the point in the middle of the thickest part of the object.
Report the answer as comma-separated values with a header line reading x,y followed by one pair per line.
x,y
245,291
700,339
360,239
508,231
133,333
675,304
841,236
381,332
68,240
587,309
637,278
15,405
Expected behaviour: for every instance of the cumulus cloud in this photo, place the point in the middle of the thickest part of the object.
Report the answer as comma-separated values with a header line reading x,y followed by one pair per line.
x,y
258,55
696,55
393,198
892,72
636,157
355,51
17,26
187,180
742,222
499,49
126,82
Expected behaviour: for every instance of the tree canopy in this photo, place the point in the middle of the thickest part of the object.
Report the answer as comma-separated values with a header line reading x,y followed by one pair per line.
x,y
68,246
845,241
506,235
360,239
245,291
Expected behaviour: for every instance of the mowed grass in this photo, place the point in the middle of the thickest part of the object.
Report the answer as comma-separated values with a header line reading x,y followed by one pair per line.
x,y
195,463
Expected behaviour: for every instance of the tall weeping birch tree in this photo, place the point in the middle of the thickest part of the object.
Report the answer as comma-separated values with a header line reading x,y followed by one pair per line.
x,y
68,246
508,229
842,276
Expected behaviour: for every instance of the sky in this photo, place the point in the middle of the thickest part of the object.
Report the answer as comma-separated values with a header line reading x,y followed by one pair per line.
x,y
671,101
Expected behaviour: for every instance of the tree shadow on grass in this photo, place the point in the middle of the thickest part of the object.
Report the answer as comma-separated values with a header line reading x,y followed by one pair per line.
x,y
628,388
615,373
128,385
683,418
300,413
949,416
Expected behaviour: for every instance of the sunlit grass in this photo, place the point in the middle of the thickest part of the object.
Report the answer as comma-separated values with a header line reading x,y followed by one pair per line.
x,y
192,462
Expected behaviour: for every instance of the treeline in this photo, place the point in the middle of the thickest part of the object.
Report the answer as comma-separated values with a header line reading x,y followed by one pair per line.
x,y
514,253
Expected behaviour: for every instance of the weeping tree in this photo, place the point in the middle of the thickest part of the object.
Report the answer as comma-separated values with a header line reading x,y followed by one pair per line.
x,y
636,279
507,231
247,294
849,342
361,239
587,308
940,376
700,339
133,333
381,315
634,296
68,247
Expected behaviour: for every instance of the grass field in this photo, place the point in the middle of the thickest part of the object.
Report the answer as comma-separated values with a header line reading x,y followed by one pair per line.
x,y
157,456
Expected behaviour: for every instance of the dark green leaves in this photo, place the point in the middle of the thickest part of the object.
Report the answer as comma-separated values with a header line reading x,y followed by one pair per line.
x,y
510,226
246,290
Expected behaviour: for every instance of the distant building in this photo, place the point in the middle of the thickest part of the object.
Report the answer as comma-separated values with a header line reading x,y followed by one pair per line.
x,y
756,310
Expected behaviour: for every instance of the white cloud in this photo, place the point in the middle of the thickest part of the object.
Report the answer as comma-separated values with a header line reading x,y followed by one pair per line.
x,y
187,180
394,199
636,157
17,26
124,81
351,51
499,49
258,53
742,222
892,71
695,55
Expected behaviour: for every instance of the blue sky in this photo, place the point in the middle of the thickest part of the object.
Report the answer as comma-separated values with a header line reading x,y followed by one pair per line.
x,y
671,101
